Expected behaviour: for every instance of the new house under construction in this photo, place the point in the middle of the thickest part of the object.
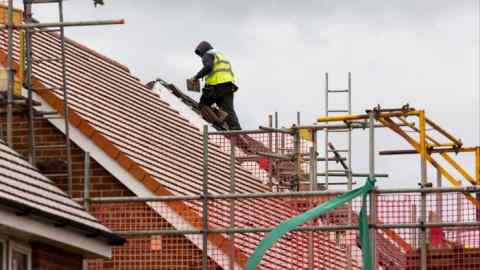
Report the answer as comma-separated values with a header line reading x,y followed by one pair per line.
x,y
168,191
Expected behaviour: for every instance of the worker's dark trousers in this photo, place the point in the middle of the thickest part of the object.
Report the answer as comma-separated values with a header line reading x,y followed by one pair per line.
x,y
222,95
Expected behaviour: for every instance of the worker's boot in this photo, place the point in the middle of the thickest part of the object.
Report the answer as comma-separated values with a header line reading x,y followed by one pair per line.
x,y
209,115
221,115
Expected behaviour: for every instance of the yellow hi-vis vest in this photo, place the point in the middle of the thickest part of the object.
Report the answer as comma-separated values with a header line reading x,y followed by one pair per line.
x,y
222,70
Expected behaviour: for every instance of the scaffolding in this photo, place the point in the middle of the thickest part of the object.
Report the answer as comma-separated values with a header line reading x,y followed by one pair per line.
x,y
408,231
419,228
24,69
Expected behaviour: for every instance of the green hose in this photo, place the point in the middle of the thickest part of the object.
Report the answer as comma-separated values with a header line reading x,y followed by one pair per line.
x,y
292,223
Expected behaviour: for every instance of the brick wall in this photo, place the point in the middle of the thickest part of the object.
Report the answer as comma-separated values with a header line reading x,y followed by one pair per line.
x,y
45,257
159,252
103,183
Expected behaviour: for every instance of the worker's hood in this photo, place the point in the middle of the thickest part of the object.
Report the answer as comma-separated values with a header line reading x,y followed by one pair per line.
x,y
203,48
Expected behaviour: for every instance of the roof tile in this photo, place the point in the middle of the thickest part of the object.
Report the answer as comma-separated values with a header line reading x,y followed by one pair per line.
x,y
21,183
124,161
137,172
155,143
151,183
85,128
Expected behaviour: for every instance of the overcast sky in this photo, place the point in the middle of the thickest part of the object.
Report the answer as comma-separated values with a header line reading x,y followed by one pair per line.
x,y
425,53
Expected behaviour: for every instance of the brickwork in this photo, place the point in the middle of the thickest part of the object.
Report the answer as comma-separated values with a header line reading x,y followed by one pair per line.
x,y
103,183
45,257
160,252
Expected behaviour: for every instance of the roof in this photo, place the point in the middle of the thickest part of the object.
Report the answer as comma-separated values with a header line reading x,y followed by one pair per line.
x,y
26,190
184,104
158,146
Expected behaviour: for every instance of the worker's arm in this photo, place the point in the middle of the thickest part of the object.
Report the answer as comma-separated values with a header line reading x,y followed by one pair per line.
x,y
207,61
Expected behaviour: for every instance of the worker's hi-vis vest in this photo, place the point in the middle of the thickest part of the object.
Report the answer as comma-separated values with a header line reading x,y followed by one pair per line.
x,y
222,70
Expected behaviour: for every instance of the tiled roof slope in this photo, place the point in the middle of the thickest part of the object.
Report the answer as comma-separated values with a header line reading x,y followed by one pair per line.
x,y
26,189
156,144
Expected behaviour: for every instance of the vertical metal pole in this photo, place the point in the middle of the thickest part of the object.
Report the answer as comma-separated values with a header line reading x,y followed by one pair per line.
x,y
477,165
11,76
232,202
414,230
28,82
270,148
298,119
349,155
276,119
371,153
477,180
313,186
459,209
350,169
296,153
313,158
86,182
276,134
326,131
205,200
373,202
21,63
65,99
423,201
439,197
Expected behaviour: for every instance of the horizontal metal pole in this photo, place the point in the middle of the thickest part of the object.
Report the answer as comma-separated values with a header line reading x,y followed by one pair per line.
x,y
353,175
241,132
264,130
433,150
334,184
301,229
234,230
42,1
65,24
277,156
274,195
428,225
430,190
257,157
281,130
351,117
147,199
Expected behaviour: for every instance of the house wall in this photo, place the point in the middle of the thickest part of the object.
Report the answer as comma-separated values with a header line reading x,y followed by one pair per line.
x,y
158,252
46,257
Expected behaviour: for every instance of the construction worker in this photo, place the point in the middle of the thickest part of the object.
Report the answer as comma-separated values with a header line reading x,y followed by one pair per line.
x,y
219,85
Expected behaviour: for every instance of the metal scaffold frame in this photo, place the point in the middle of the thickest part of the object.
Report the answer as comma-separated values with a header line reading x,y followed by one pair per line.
x,y
376,226
373,119
394,119
27,59
425,145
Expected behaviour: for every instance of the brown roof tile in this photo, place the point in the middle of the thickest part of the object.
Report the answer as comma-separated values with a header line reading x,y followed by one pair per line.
x,y
22,185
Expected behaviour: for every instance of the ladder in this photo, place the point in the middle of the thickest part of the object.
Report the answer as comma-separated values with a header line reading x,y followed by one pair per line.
x,y
343,155
31,61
